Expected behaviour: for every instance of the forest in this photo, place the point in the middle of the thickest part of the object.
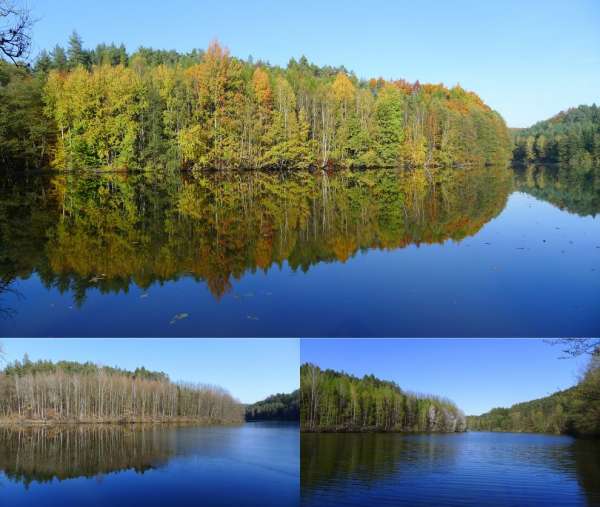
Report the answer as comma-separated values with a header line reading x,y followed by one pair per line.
x,y
333,401
574,411
143,229
65,391
571,137
105,108
277,407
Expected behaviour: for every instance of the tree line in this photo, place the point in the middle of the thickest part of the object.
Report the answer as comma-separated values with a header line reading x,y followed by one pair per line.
x,y
571,137
74,392
104,107
336,401
573,411
277,407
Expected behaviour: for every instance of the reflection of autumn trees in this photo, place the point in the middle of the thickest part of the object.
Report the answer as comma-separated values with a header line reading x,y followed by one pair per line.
x,y
108,231
572,188
43,454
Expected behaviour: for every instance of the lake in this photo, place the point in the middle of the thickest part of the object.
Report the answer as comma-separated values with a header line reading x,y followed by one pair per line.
x,y
256,464
452,252
467,469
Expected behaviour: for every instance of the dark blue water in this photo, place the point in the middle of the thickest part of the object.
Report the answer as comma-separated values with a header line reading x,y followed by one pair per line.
x,y
494,262
471,469
252,465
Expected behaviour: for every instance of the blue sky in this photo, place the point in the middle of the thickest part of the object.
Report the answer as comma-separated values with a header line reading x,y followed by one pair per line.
x,y
528,60
477,374
251,369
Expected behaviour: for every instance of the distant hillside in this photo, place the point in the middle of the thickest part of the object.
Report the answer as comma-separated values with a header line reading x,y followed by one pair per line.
x,y
73,392
278,407
336,401
573,411
571,137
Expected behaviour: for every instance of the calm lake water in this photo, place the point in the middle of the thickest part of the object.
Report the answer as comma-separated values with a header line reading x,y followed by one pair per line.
x,y
468,469
476,252
256,464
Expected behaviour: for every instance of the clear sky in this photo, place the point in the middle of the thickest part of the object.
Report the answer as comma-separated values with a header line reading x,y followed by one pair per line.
x,y
477,374
250,369
528,60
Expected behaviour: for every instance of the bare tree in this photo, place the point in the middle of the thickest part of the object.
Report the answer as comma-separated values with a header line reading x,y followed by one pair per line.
x,y
15,30
573,347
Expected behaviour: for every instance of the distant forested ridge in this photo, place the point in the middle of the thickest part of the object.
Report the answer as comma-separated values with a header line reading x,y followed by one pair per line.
x,y
573,411
278,407
336,401
104,107
571,137
74,392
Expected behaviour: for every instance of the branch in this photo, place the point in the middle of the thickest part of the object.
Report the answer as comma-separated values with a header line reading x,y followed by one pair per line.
x,y
15,38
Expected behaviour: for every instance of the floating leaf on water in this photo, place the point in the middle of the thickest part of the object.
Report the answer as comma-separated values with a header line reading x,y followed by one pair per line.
x,y
179,316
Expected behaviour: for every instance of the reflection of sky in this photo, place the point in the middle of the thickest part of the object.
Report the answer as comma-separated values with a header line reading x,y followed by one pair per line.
x,y
532,271
477,374
250,369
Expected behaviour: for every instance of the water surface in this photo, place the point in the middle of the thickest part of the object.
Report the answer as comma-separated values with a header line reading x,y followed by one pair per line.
x,y
454,252
467,469
256,464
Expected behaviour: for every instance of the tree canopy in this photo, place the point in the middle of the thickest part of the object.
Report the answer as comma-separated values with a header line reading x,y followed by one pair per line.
x,y
277,407
574,411
104,107
571,137
68,391
336,401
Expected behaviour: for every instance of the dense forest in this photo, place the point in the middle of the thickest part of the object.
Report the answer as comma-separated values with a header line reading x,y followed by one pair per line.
x,y
86,108
573,411
106,232
278,407
571,137
336,401
74,392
